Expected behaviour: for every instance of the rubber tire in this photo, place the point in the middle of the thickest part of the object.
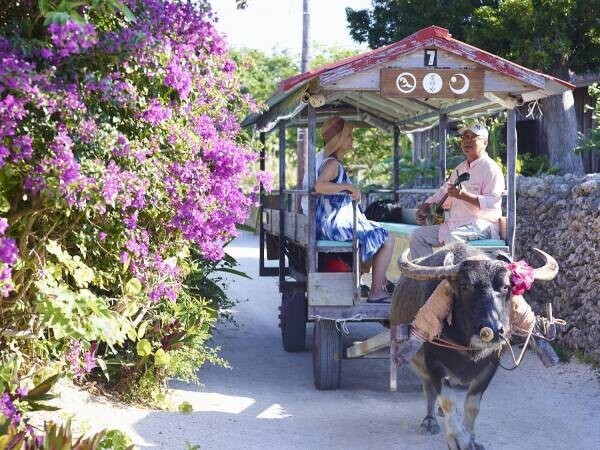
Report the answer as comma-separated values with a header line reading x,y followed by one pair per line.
x,y
327,355
293,317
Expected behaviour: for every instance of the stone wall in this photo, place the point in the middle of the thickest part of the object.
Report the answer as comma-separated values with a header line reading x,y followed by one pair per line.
x,y
561,215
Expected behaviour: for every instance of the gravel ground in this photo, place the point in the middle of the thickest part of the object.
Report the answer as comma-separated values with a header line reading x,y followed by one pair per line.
x,y
267,400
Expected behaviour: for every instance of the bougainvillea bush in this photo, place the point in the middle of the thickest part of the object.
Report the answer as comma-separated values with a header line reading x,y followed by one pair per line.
x,y
121,174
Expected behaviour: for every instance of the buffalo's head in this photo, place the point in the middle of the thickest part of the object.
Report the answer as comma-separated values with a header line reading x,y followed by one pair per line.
x,y
482,292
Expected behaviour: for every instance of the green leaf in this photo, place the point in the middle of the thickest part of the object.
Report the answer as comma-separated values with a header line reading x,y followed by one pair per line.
x,y
104,367
124,10
161,358
83,275
4,204
40,398
234,272
56,17
131,334
43,387
42,407
53,248
142,329
143,347
44,6
133,287
185,407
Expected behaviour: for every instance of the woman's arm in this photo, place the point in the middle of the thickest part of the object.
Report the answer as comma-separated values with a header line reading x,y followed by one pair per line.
x,y
325,186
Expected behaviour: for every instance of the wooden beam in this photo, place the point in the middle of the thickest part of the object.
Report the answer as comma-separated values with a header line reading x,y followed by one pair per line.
x,y
281,204
364,103
507,102
511,159
312,199
422,103
442,147
449,110
396,161
261,230
372,344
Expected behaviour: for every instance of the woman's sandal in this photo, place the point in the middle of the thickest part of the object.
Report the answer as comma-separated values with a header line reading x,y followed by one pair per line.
x,y
385,299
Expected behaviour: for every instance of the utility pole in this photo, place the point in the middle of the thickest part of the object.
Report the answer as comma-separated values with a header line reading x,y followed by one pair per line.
x,y
302,133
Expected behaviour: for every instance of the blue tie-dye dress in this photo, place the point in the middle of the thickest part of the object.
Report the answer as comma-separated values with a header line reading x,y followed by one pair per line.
x,y
335,220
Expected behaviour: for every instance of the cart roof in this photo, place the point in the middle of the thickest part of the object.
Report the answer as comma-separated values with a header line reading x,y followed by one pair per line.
x,y
352,87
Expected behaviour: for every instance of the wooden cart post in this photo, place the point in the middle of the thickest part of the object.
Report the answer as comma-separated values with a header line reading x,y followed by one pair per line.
x,y
282,238
511,160
261,231
312,199
396,175
442,147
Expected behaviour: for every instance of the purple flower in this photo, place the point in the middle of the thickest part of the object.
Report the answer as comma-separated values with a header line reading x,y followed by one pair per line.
x,y
229,66
81,365
9,410
22,148
4,153
8,251
21,392
205,127
124,258
156,113
6,286
87,131
3,225
179,79
70,37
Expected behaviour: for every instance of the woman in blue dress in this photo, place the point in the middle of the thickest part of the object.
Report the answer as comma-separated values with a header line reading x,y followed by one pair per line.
x,y
334,208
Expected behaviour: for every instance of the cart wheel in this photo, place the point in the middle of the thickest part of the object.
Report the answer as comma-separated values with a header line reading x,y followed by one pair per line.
x,y
327,355
293,320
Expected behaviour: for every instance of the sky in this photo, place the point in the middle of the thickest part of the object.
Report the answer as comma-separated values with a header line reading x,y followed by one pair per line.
x,y
277,24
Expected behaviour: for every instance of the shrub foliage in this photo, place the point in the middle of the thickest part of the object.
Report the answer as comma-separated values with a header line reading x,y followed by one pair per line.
x,y
121,174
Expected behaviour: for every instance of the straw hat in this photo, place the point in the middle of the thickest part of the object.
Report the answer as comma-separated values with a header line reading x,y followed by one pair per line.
x,y
334,131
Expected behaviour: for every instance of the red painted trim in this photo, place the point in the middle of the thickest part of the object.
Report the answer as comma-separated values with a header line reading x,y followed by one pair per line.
x,y
433,35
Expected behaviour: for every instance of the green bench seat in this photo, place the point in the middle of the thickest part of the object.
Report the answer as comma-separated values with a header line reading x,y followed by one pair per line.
x,y
403,230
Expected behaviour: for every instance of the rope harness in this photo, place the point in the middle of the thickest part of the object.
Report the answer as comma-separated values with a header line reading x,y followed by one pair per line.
x,y
444,343
340,324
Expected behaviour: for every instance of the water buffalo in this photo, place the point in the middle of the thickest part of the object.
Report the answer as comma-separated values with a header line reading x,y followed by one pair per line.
x,y
481,291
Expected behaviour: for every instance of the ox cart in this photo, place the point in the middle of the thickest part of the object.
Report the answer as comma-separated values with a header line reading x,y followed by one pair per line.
x,y
426,80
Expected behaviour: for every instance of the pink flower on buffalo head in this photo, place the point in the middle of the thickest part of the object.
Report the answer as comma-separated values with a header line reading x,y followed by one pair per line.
x,y
521,277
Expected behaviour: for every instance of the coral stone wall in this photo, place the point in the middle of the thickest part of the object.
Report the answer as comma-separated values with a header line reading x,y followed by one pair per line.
x,y
561,215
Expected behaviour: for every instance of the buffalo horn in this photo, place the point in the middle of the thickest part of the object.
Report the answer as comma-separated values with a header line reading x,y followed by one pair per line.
x,y
549,270
417,272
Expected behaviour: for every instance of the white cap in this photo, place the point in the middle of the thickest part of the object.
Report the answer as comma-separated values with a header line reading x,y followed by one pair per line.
x,y
477,128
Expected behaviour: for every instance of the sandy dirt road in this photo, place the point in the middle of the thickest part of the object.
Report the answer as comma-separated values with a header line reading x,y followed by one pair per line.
x,y
268,401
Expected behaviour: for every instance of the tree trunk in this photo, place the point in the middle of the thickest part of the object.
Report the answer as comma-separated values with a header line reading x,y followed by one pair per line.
x,y
559,127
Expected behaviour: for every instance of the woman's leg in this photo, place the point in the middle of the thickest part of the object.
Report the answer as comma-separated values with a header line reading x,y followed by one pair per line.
x,y
381,262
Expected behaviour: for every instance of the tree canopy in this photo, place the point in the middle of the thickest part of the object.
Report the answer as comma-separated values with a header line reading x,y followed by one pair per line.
x,y
547,35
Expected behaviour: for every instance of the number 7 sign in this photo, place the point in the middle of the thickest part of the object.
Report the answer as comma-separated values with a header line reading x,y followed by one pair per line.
x,y
430,57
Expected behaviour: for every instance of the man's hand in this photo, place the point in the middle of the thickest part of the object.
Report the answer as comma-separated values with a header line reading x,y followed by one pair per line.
x,y
453,191
422,213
